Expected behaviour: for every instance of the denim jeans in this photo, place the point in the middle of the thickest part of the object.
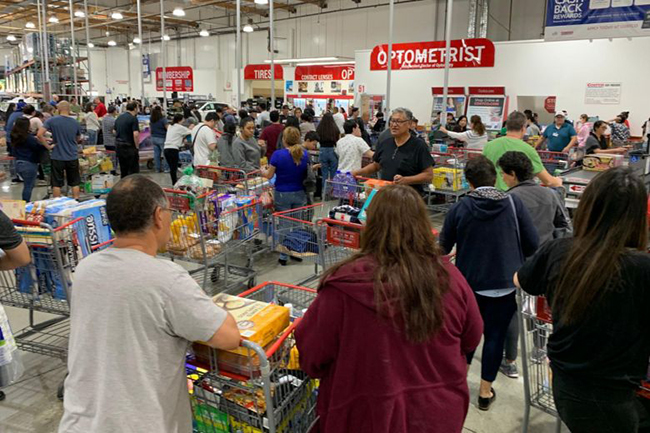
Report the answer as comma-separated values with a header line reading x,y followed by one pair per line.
x,y
158,146
27,171
286,201
92,137
329,163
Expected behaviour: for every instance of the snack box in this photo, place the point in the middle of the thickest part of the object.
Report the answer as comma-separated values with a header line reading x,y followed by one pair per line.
x,y
375,184
258,322
601,162
449,179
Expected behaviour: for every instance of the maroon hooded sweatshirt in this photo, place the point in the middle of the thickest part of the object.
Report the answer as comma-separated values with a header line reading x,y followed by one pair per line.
x,y
372,378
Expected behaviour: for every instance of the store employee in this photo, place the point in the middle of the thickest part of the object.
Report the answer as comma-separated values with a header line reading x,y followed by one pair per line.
x,y
402,157
561,136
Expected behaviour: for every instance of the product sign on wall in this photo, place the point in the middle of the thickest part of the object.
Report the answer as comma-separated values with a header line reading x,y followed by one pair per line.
x,y
325,73
491,109
263,72
455,103
591,19
603,93
463,53
178,79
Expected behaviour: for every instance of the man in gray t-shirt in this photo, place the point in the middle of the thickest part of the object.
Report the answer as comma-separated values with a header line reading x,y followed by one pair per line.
x,y
132,318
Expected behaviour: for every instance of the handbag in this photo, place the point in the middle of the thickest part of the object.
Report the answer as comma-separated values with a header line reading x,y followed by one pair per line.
x,y
309,183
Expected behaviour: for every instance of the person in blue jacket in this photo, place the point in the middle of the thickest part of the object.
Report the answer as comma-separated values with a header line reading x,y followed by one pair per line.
x,y
493,234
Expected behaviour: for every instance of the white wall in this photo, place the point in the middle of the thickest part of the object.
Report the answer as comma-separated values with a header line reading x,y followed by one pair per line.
x,y
559,69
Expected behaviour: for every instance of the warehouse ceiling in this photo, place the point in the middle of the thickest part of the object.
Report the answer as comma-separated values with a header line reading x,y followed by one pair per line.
x,y
216,16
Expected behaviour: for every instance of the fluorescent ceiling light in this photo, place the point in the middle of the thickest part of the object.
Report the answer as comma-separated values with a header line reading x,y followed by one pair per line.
x,y
117,15
112,43
306,60
262,2
79,14
166,38
136,40
204,33
30,25
91,45
178,12
248,28
347,62
54,20
11,38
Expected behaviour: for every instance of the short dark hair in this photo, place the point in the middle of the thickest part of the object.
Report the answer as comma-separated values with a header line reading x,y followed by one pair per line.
x,y
480,171
274,116
218,110
131,106
178,118
132,202
285,107
111,109
349,126
242,113
29,109
263,105
380,114
292,121
211,116
516,121
517,163
312,136
355,109
306,117
244,121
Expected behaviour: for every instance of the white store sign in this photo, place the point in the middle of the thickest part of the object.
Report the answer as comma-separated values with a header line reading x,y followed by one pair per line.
x,y
603,93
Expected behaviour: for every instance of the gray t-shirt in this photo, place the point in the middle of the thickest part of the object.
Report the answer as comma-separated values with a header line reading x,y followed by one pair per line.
x,y
246,154
65,131
132,318
108,123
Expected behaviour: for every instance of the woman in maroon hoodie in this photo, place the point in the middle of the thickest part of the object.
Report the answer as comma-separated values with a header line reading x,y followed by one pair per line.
x,y
390,327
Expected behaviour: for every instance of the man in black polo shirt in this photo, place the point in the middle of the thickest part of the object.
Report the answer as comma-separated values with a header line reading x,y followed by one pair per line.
x,y
127,134
402,157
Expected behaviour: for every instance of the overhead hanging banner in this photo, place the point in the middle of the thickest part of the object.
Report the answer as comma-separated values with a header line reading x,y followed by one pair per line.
x,y
262,72
324,73
178,79
593,19
463,53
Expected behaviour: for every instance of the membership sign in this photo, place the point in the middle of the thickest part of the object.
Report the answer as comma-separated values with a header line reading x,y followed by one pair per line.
x,y
594,19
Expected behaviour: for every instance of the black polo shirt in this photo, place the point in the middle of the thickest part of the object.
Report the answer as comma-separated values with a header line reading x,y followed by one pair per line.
x,y
410,159
125,125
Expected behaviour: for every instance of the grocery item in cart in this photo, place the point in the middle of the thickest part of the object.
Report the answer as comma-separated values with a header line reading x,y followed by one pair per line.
x,y
345,213
601,162
375,184
257,321
449,179
190,182
247,217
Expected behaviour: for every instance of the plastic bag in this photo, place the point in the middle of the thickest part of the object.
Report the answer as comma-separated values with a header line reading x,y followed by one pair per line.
x,y
11,364
190,182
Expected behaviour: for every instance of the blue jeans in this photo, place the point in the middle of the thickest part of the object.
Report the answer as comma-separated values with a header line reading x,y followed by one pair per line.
x,y
158,146
329,163
28,171
289,200
92,137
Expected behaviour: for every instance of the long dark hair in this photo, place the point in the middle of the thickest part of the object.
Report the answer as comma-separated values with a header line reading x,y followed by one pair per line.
x,y
327,129
20,131
229,130
410,278
156,114
611,217
477,125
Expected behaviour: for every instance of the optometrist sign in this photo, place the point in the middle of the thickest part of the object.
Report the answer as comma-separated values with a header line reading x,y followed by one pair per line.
x,y
594,19
463,53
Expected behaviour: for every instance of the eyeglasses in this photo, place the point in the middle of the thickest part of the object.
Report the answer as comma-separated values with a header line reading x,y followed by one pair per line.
x,y
397,122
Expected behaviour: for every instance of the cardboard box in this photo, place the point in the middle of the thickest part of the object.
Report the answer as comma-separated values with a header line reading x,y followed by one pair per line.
x,y
258,322
601,162
103,182
449,179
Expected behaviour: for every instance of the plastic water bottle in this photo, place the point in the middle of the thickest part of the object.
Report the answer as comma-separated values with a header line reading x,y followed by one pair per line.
x,y
350,184
337,185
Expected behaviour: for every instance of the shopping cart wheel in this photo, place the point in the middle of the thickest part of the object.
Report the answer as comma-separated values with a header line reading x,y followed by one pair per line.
x,y
2,396
214,277
60,392
150,164
251,283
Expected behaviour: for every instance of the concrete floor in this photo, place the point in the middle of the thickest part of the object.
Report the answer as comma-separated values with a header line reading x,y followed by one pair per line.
x,y
31,404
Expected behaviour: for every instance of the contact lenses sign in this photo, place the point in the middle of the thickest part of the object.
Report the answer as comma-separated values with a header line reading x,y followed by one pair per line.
x,y
463,53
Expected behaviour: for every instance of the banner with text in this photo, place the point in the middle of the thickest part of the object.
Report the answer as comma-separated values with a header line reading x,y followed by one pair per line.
x,y
491,109
463,53
603,93
263,72
324,73
178,79
594,19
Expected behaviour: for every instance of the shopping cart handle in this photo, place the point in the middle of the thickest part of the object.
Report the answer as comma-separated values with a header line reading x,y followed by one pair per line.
x,y
26,223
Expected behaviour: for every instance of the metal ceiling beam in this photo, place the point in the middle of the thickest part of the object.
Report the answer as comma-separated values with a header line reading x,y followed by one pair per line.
x,y
229,5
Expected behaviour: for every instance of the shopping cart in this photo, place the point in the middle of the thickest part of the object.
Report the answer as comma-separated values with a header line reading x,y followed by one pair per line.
x,y
208,230
225,179
8,165
554,161
536,326
351,191
271,394
294,233
449,184
337,240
